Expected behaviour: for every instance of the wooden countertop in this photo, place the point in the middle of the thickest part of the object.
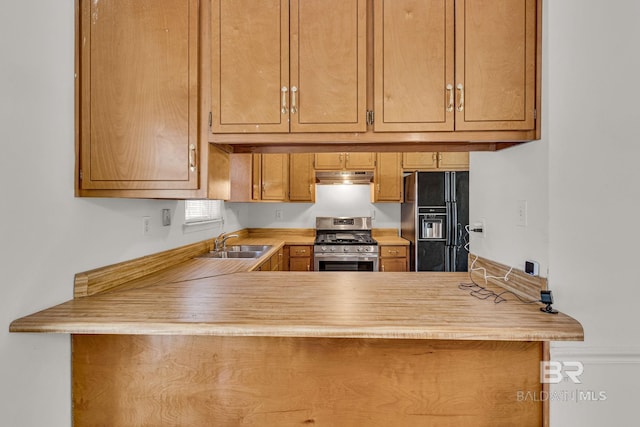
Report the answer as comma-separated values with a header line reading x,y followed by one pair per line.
x,y
303,304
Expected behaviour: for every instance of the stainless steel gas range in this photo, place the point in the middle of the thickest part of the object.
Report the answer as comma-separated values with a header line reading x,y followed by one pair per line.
x,y
344,244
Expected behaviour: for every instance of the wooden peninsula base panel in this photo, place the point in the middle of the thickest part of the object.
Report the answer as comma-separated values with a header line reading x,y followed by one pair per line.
x,y
182,380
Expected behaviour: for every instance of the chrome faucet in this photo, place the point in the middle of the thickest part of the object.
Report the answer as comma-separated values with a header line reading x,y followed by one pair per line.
x,y
220,243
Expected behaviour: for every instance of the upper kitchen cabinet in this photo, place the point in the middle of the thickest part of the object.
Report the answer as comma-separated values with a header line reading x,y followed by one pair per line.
x,y
274,177
138,108
425,161
259,177
463,65
414,64
288,66
388,178
302,183
344,161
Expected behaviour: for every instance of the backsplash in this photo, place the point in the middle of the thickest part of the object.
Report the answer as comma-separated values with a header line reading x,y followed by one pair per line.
x,y
331,200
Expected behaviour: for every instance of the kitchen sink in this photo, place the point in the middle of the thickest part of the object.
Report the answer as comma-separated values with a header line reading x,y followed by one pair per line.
x,y
248,248
233,254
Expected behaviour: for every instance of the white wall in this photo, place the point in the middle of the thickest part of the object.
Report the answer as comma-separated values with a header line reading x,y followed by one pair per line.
x,y
46,234
331,200
591,175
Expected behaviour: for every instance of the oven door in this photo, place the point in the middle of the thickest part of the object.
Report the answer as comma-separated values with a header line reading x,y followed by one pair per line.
x,y
345,262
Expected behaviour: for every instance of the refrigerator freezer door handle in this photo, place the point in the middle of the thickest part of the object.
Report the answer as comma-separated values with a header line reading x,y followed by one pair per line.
x,y
447,258
447,187
449,225
452,188
454,258
455,232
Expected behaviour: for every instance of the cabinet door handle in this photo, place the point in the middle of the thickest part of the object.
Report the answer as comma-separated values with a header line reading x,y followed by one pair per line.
x,y
294,109
450,104
284,91
192,157
460,89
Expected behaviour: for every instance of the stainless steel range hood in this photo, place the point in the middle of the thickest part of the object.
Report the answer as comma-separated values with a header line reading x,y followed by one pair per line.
x,y
344,177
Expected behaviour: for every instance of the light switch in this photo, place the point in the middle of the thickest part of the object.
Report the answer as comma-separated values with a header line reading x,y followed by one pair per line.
x,y
522,213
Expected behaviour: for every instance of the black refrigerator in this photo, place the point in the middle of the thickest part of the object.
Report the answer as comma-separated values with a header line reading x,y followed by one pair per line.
x,y
434,217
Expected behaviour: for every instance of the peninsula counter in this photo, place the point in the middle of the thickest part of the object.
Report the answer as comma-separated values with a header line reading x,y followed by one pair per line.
x,y
318,348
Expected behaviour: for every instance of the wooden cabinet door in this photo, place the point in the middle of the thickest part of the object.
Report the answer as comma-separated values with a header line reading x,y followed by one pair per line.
x,y
241,177
495,64
388,178
420,161
328,65
275,176
138,94
453,161
358,161
413,60
329,161
301,177
300,264
393,265
250,65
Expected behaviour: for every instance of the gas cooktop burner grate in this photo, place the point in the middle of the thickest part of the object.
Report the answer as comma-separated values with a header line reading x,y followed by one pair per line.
x,y
344,239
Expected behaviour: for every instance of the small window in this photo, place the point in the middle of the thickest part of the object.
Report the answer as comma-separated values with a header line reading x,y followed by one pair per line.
x,y
200,211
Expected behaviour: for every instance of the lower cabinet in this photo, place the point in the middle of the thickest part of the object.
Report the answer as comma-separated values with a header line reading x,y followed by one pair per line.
x,y
274,263
394,258
300,258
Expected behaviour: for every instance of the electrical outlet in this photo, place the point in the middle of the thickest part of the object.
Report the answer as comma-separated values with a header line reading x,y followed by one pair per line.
x,y
481,224
146,225
279,215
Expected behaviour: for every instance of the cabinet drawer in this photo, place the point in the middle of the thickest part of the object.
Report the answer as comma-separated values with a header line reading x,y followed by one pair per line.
x,y
393,251
300,251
